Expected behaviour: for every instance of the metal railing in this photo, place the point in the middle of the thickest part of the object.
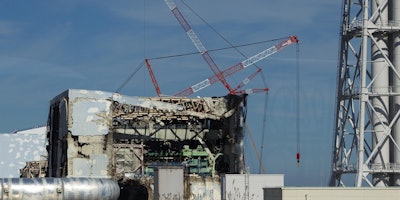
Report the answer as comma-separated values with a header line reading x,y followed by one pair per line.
x,y
373,167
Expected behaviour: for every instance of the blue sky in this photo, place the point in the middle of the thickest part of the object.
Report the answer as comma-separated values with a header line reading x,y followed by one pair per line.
x,y
47,47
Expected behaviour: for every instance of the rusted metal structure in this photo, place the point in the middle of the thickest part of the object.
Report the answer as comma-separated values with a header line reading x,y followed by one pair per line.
x,y
99,134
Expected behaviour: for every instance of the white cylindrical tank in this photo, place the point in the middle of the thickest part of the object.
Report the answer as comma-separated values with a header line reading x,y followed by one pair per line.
x,y
58,189
395,58
380,72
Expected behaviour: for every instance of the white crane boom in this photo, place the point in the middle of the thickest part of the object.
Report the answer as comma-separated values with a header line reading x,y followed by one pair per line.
x,y
237,67
197,42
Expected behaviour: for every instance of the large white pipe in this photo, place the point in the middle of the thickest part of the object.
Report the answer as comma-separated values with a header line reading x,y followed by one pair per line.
x,y
58,189
380,73
395,58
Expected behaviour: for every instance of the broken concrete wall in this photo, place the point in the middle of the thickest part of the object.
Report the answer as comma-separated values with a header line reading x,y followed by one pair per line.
x,y
102,134
78,135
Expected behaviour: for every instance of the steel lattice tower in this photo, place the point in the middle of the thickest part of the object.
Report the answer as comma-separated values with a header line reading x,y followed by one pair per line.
x,y
366,143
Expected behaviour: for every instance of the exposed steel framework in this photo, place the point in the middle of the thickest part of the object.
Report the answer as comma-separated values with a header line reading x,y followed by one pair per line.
x,y
367,134
220,76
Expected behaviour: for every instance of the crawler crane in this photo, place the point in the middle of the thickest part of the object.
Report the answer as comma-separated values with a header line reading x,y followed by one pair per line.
x,y
221,75
218,74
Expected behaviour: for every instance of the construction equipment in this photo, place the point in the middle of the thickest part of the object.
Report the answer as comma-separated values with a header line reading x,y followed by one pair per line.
x,y
196,41
218,74
153,78
238,67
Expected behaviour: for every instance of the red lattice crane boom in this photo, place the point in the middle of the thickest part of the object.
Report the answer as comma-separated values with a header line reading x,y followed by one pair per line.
x,y
247,80
237,67
153,78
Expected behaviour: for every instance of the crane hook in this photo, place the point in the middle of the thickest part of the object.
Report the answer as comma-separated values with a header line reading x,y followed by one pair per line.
x,y
298,159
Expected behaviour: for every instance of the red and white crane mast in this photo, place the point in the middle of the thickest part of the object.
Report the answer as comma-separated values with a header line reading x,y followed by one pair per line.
x,y
238,67
197,42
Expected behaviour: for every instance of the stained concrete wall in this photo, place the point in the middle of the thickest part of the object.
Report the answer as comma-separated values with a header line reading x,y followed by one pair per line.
x,y
234,185
331,193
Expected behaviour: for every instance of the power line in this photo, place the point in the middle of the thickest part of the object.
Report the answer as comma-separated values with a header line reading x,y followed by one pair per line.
x,y
192,53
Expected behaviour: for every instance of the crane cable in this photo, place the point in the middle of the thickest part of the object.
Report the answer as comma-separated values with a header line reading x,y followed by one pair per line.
x,y
215,30
263,124
142,63
228,42
219,49
262,168
259,155
298,104
130,76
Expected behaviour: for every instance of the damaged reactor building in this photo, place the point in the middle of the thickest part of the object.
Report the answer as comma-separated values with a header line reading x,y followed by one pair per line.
x,y
147,143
